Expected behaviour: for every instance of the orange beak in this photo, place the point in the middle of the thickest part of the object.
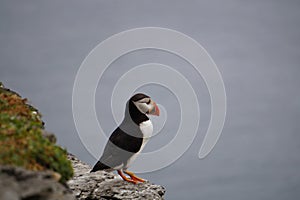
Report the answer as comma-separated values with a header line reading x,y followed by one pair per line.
x,y
154,110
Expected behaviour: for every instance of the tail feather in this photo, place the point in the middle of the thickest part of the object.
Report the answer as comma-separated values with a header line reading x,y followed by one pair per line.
x,y
99,166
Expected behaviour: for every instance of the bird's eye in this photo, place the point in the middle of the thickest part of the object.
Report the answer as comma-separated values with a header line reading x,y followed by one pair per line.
x,y
148,102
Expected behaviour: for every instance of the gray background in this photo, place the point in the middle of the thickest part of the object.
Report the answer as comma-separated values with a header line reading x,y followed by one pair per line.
x,y
255,44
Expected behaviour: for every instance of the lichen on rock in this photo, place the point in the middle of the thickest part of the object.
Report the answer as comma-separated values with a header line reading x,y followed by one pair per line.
x,y
21,139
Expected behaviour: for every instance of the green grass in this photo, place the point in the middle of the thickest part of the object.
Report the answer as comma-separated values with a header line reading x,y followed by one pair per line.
x,y
21,140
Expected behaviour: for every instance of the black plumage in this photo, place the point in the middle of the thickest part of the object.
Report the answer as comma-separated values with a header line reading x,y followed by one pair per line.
x,y
126,140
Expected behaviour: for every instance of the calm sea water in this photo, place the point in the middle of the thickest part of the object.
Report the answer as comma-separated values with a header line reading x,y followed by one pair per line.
x,y
255,45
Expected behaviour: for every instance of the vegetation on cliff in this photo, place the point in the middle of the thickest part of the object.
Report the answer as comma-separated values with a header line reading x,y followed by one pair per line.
x,y
21,140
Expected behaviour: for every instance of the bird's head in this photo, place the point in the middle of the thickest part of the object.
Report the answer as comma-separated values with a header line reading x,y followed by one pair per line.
x,y
145,104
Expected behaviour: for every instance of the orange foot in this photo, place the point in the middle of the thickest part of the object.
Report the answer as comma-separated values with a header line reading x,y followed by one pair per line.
x,y
126,179
134,177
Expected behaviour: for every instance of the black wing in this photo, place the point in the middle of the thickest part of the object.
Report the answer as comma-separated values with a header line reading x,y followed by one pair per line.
x,y
120,147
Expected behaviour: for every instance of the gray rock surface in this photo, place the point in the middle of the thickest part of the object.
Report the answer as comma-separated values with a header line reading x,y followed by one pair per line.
x,y
105,185
19,184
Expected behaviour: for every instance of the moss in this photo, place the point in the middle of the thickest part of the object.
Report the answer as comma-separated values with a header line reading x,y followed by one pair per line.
x,y
21,140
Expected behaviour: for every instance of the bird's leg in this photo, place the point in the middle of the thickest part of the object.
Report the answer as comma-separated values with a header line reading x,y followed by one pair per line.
x,y
125,178
133,176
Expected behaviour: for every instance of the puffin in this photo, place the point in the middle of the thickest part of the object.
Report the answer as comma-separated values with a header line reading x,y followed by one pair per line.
x,y
128,140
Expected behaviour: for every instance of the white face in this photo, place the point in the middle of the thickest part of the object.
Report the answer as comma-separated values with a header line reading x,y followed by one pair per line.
x,y
144,105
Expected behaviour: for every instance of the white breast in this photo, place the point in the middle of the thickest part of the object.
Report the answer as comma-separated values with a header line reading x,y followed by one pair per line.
x,y
147,130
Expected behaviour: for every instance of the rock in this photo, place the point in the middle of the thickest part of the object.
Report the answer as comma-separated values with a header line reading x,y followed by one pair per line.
x,y
103,185
19,184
